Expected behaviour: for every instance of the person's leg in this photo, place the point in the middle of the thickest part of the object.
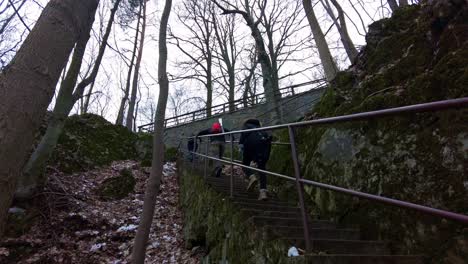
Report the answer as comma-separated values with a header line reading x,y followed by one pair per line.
x,y
214,152
246,160
263,181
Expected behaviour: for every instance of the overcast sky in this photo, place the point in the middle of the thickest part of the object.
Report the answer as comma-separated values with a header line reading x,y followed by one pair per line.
x,y
113,71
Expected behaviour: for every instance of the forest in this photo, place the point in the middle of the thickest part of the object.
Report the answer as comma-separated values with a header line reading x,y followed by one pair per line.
x,y
90,90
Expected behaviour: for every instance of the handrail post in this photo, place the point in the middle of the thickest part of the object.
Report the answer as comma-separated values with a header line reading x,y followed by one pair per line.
x,y
300,187
206,159
232,167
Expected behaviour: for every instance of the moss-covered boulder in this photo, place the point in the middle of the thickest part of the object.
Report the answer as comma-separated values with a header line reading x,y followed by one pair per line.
x,y
419,55
89,140
117,187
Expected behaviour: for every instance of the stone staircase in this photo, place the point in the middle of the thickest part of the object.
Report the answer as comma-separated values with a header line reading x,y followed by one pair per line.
x,y
330,244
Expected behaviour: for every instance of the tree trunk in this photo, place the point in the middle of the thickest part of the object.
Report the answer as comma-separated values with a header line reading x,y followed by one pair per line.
x,y
393,5
154,181
136,74
344,35
27,85
120,115
209,87
270,86
326,58
102,48
403,2
84,108
31,178
232,89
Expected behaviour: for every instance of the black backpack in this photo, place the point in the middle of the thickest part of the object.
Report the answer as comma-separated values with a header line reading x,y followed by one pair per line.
x,y
263,136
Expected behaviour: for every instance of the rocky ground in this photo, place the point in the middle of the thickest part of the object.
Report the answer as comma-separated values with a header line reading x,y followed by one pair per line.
x,y
76,225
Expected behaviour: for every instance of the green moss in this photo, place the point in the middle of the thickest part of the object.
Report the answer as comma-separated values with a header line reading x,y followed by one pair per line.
x,y
213,222
417,158
171,154
117,187
90,140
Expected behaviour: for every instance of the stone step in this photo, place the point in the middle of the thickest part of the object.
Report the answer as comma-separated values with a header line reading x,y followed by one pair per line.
x,y
315,233
266,207
256,212
357,259
225,179
272,201
341,246
290,221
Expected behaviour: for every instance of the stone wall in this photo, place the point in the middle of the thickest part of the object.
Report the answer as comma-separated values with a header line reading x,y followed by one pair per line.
x,y
293,108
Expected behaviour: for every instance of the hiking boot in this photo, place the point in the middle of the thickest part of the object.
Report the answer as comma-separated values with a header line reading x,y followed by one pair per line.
x,y
252,181
263,195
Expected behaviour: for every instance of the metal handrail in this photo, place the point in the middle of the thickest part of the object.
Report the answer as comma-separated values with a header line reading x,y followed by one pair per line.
x,y
418,108
200,114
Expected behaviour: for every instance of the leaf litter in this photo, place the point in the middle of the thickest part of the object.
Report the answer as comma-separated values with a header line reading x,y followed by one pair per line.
x,y
77,226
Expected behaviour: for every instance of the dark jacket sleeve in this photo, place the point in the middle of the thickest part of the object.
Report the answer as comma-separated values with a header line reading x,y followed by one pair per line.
x,y
204,132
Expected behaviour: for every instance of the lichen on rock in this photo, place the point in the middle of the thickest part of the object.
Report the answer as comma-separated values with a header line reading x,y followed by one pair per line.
x,y
422,158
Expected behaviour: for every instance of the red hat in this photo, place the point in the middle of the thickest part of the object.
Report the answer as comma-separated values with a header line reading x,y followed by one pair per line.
x,y
216,128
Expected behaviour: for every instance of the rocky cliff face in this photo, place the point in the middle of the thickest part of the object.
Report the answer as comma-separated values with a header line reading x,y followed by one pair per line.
x,y
419,55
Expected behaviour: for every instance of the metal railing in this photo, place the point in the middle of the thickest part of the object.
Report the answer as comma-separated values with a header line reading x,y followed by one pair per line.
x,y
418,108
236,105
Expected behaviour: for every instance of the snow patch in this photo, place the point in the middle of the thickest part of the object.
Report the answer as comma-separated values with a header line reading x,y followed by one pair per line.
x,y
127,228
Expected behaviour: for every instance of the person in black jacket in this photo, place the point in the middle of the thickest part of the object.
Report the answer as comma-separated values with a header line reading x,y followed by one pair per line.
x,y
216,144
256,147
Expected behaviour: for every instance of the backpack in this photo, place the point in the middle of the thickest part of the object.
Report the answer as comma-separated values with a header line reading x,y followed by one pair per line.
x,y
262,136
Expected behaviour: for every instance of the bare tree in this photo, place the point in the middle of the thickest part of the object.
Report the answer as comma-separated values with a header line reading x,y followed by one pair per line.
x,y
154,181
394,5
227,53
340,23
249,81
123,102
198,46
68,95
131,105
270,84
329,65
12,33
28,82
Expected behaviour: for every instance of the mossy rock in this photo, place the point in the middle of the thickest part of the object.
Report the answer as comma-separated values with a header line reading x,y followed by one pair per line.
x,y
117,187
418,158
89,140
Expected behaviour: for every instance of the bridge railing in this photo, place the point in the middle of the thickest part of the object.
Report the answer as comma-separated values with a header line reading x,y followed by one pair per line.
x,y
300,181
228,107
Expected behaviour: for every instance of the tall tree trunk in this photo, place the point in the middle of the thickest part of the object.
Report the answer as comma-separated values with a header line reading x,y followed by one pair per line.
x,y
326,58
154,181
123,102
348,44
209,86
393,5
232,88
136,74
31,177
27,85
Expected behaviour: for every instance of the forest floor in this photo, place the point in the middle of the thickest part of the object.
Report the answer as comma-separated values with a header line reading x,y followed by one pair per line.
x,y
75,225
